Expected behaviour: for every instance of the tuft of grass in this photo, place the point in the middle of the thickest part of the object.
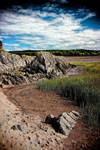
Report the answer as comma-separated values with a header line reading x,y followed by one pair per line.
x,y
27,57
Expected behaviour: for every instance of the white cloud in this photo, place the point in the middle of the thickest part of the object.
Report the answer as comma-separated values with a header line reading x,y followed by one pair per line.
x,y
89,15
45,30
7,44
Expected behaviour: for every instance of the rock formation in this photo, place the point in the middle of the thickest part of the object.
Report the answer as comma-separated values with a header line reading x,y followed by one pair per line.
x,y
48,64
16,70
64,122
10,62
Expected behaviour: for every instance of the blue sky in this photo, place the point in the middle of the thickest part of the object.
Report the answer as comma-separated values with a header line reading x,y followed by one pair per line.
x,y
49,27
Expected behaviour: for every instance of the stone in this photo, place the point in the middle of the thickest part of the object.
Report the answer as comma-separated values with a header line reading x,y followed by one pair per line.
x,y
68,118
10,62
64,126
62,64
63,123
75,113
49,64
30,69
73,116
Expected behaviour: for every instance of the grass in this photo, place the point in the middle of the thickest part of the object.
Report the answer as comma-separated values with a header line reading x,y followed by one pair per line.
x,y
93,67
82,90
27,57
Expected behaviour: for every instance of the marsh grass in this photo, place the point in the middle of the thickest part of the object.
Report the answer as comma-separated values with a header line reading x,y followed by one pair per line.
x,y
83,90
90,67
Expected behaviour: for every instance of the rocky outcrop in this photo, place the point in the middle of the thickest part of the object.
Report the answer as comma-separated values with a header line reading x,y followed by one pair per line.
x,y
18,78
64,122
15,70
48,64
10,62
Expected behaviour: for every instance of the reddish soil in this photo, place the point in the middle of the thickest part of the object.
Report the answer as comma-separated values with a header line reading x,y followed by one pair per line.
x,y
33,101
84,58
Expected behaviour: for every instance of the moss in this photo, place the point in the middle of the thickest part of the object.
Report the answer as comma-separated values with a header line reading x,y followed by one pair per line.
x,y
27,57
19,72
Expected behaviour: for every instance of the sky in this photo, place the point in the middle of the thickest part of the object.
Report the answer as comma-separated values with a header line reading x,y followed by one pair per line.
x,y
50,24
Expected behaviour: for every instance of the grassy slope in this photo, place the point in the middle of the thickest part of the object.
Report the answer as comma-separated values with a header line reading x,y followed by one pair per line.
x,y
83,90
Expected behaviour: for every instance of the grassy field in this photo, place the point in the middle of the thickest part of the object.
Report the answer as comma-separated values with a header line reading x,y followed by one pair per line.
x,y
89,67
83,90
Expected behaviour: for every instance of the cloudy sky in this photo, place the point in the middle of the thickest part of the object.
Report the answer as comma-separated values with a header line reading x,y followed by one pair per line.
x,y
50,24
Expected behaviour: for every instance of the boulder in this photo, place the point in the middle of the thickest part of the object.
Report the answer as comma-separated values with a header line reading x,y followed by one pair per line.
x,y
10,62
49,64
64,122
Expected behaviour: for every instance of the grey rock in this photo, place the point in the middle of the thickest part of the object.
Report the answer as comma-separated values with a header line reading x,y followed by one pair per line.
x,y
72,116
10,62
49,64
75,113
68,118
63,123
45,65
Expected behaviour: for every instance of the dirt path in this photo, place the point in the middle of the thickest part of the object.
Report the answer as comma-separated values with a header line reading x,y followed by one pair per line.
x,y
32,102
20,130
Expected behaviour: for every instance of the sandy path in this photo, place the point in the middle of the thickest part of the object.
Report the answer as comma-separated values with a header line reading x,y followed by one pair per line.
x,y
20,131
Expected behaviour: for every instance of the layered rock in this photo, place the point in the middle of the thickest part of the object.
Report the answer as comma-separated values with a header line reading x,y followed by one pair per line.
x,y
18,78
10,62
48,64
64,122
15,70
